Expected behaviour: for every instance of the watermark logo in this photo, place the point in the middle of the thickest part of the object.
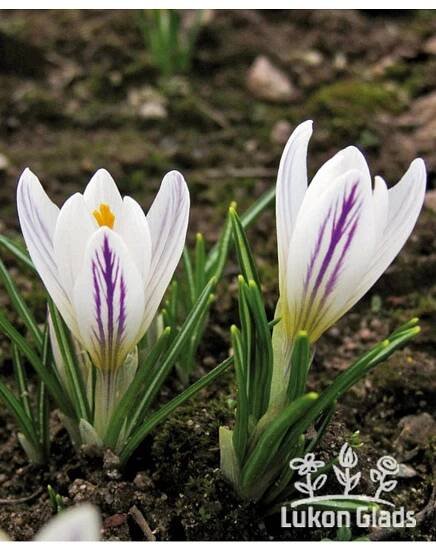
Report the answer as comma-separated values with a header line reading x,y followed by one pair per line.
x,y
313,477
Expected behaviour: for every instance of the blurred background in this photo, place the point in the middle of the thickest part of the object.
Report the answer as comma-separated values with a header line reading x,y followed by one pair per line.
x,y
212,93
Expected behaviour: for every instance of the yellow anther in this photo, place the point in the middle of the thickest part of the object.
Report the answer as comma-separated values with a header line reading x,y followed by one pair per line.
x,y
104,215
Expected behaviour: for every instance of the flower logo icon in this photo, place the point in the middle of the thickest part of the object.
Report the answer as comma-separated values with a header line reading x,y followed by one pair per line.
x,y
347,460
386,466
347,457
307,464
314,473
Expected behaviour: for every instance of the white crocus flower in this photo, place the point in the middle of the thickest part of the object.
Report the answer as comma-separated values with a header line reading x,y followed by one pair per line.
x,y
335,237
103,262
77,524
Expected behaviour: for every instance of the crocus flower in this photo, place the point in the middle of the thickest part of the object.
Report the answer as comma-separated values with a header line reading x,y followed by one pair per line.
x,y
77,524
339,234
103,262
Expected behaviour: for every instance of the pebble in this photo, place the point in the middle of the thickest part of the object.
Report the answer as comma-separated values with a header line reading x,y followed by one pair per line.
x,y
312,57
406,471
340,61
110,460
4,162
430,200
115,521
148,103
268,82
142,481
417,430
430,46
280,132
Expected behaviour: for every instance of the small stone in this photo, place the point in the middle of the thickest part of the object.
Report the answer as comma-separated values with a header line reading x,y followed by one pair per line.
x,y
4,163
406,471
340,61
420,125
334,332
147,103
110,460
312,57
266,81
115,521
430,46
417,430
142,481
430,200
365,334
209,361
152,110
280,132
81,490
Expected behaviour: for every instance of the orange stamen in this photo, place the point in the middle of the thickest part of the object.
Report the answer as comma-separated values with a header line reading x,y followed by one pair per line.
x,y
104,215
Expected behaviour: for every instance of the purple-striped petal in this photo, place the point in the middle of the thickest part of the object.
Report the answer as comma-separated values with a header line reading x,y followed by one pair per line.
x,y
399,214
331,246
109,300
345,160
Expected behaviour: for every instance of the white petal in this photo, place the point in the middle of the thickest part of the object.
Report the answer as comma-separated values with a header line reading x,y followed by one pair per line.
x,y
405,201
347,159
102,189
38,216
132,226
168,222
291,187
381,206
74,228
80,523
108,300
330,249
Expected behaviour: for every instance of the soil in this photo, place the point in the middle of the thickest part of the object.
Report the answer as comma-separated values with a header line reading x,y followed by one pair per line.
x,y
73,86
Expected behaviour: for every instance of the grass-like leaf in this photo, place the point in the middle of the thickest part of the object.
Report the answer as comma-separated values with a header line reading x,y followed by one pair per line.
x,y
163,412
17,251
270,440
245,256
351,376
72,369
21,380
240,433
170,358
45,374
24,422
20,306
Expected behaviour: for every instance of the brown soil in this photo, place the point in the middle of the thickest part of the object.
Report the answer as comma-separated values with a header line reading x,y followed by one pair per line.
x,y
365,78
